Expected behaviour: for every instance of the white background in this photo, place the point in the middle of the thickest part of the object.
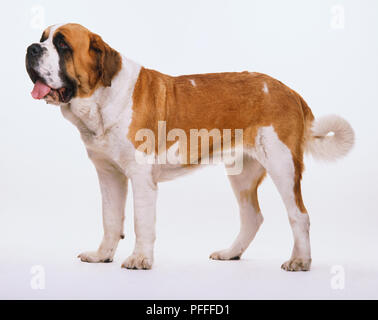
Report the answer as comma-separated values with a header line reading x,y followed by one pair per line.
x,y
49,195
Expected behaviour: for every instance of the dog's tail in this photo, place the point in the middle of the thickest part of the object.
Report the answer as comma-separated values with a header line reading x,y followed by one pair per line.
x,y
330,137
327,138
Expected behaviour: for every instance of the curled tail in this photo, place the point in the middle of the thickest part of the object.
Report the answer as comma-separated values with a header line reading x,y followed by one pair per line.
x,y
323,146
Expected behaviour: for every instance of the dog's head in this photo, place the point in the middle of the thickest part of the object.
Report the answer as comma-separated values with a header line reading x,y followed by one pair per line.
x,y
70,61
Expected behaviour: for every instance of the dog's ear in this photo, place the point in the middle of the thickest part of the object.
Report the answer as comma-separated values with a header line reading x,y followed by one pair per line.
x,y
108,59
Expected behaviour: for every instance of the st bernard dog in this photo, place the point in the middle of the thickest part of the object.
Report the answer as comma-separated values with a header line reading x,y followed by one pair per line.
x,y
110,99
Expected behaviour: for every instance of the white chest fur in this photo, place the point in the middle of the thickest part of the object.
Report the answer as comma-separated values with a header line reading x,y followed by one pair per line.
x,y
103,119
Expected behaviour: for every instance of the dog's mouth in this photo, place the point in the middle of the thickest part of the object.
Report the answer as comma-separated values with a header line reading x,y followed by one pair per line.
x,y
42,91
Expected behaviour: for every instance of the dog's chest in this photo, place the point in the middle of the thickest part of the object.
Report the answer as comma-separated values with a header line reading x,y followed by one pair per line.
x,y
103,133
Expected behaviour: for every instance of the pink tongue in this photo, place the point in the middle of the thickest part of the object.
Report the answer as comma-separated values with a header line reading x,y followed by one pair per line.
x,y
40,90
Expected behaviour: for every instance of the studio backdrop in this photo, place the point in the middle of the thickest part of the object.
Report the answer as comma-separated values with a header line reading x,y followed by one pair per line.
x,y
50,203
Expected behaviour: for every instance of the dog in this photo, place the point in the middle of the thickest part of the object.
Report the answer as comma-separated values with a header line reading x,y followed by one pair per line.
x,y
115,103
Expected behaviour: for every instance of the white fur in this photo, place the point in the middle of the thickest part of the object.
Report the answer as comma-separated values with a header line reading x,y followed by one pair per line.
x,y
103,120
193,82
276,158
49,67
272,155
334,146
265,88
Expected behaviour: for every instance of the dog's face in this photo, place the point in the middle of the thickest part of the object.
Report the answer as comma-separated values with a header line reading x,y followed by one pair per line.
x,y
70,61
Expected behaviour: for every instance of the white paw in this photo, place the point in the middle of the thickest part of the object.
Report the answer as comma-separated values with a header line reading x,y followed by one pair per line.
x,y
297,264
137,261
224,255
94,256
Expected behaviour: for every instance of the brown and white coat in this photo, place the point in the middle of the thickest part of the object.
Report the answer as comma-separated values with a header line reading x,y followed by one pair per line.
x,y
110,98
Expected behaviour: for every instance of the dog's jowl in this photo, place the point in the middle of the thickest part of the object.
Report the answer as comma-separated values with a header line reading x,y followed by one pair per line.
x,y
141,125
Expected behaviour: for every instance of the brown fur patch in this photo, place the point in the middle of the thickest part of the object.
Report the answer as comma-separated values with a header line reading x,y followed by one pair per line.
x,y
233,100
45,34
92,63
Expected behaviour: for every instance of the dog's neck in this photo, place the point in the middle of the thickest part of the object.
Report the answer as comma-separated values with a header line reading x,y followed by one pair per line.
x,y
95,115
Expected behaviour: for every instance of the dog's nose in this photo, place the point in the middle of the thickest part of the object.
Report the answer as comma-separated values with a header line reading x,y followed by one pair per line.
x,y
34,50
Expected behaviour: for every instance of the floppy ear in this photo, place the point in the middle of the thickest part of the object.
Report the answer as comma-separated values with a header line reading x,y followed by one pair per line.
x,y
108,59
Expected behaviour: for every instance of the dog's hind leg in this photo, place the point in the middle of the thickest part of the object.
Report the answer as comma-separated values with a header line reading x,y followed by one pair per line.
x,y
245,187
285,169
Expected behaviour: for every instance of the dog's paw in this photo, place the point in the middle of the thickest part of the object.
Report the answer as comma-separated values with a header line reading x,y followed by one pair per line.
x,y
138,261
94,257
224,255
297,264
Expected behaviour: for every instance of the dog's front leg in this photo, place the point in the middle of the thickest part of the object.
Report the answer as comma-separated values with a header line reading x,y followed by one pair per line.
x,y
145,193
113,186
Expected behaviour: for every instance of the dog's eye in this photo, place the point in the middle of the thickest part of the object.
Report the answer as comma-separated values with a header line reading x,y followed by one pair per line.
x,y
62,45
